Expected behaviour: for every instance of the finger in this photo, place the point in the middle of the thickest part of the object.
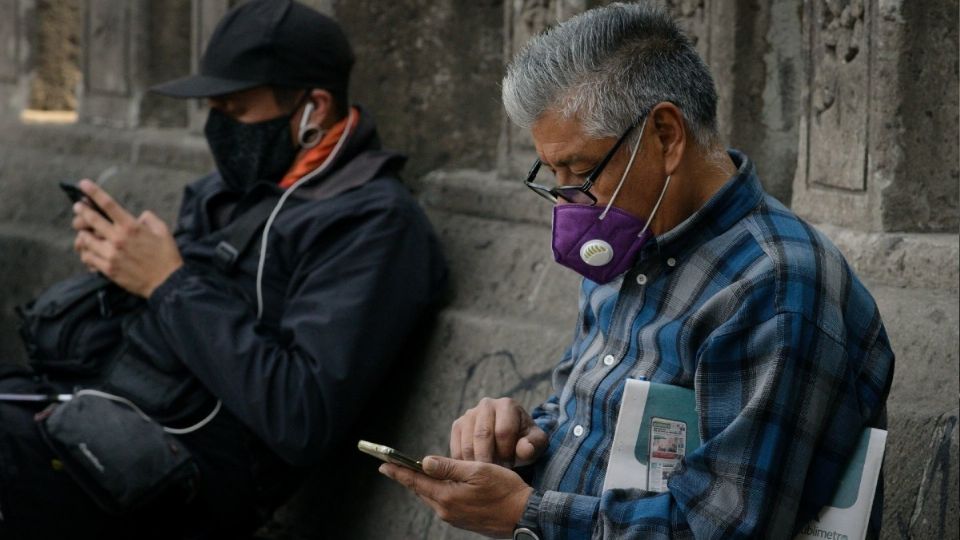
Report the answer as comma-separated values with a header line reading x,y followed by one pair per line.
x,y
98,246
484,445
507,430
95,222
418,483
441,468
455,452
466,437
103,199
153,223
79,224
530,446
94,262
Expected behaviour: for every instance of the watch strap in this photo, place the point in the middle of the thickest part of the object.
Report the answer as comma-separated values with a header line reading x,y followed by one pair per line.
x,y
528,528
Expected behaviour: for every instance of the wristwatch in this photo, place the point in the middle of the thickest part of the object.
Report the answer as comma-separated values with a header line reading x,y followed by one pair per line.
x,y
523,533
527,528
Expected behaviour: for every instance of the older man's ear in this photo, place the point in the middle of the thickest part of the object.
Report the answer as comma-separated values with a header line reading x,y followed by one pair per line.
x,y
670,133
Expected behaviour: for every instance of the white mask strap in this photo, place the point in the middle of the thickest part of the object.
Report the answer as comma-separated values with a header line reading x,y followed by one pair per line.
x,y
626,171
656,206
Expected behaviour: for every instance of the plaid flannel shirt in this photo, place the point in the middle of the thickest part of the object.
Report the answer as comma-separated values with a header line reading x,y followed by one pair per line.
x,y
784,347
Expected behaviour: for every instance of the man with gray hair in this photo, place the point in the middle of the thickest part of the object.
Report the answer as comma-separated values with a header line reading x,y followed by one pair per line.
x,y
693,277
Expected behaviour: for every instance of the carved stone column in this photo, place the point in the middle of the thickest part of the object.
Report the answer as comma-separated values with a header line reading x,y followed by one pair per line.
x,y
129,45
55,55
16,29
878,135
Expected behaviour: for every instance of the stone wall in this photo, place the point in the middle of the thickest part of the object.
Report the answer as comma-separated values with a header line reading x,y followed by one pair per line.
x,y
848,106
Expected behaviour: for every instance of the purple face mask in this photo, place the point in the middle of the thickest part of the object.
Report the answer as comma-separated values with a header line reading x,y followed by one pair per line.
x,y
598,247
601,243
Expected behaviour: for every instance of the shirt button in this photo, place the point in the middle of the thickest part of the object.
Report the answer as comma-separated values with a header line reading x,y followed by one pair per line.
x,y
641,279
608,360
577,430
671,262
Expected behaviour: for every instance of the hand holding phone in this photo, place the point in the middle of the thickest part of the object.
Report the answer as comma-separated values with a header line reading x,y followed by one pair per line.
x,y
75,194
389,455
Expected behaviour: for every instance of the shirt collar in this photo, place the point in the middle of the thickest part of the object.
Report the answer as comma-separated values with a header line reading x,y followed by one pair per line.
x,y
741,194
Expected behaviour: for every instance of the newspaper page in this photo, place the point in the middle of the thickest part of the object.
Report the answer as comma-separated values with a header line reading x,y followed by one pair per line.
x,y
658,423
656,426
847,516
668,441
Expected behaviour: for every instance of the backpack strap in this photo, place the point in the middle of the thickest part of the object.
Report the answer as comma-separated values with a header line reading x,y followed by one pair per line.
x,y
239,234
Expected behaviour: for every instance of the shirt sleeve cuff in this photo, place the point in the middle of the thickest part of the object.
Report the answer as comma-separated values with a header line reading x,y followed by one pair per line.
x,y
566,515
529,519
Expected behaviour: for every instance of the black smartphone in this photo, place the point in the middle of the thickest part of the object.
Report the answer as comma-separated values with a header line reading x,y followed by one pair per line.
x,y
385,453
76,195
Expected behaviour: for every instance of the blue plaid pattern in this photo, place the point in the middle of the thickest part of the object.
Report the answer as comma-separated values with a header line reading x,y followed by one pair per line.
x,y
784,347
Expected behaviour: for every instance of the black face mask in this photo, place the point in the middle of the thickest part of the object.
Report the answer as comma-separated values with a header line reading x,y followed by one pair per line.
x,y
248,153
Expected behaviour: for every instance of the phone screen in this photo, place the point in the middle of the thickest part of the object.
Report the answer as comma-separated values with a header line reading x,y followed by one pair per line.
x,y
389,455
76,195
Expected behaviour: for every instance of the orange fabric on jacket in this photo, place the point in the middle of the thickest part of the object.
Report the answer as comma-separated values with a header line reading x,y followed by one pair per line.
x,y
315,156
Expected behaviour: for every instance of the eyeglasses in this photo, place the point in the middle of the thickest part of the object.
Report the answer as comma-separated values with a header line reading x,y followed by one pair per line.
x,y
575,194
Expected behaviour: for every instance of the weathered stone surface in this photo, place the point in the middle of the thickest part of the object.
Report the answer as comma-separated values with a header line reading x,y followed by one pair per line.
x,y
483,194
17,39
762,91
925,261
878,137
753,52
430,72
168,56
129,46
924,330
506,270
839,93
921,189
920,473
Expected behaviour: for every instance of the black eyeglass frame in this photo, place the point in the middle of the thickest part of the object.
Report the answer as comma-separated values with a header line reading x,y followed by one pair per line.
x,y
569,193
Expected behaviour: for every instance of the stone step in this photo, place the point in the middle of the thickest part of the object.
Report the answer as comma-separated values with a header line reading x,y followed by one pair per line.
x,y
906,260
909,260
29,194
505,268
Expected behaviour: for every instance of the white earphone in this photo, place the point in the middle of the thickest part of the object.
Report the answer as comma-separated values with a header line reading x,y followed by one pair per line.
x,y
310,133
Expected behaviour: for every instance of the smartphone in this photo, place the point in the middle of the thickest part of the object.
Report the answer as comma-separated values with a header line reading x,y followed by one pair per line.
x,y
76,195
385,453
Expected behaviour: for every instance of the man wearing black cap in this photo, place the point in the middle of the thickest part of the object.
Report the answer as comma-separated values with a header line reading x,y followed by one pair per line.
x,y
296,274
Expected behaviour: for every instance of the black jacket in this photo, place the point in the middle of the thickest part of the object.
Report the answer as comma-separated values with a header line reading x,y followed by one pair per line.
x,y
352,266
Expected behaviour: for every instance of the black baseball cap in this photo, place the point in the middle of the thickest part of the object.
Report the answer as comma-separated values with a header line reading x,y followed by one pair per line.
x,y
269,42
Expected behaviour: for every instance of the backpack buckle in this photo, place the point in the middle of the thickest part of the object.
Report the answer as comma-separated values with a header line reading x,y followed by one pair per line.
x,y
226,256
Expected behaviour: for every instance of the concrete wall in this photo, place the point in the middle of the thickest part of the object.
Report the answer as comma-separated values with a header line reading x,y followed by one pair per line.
x,y
849,107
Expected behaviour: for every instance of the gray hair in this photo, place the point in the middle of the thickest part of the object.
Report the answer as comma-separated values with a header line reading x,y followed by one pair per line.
x,y
608,67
